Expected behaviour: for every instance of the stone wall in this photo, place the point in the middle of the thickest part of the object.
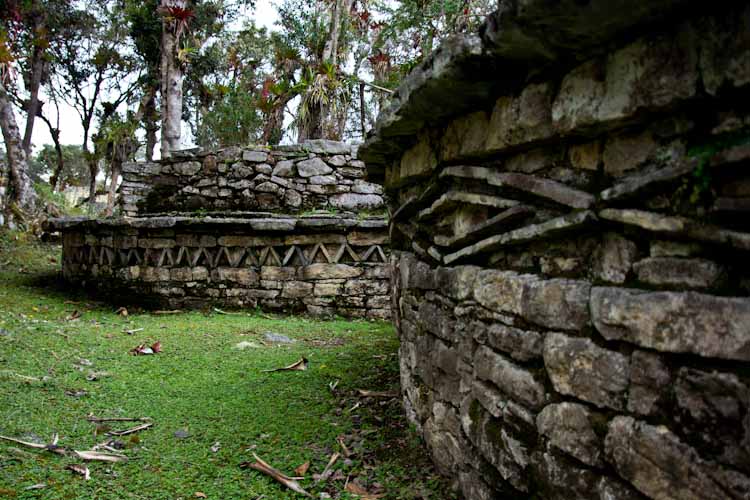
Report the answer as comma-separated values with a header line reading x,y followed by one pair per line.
x,y
322,265
571,272
317,174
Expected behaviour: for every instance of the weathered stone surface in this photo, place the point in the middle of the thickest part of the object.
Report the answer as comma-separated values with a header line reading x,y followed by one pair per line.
x,y
682,273
658,464
515,381
724,52
284,168
521,119
585,156
313,166
640,182
363,187
614,258
329,271
647,74
322,180
548,229
521,345
674,322
418,160
649,383
353,201
580,368
465,136
679,226
196,240
715,414
255,156
557,303
627,152
187,168
569,427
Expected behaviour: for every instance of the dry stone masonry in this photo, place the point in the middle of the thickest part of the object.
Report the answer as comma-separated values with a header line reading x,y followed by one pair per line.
x,y
571,250
317,174
192,240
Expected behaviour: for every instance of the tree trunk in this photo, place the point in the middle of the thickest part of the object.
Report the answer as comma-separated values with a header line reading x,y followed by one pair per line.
x,y
37,67
151,126
18,166
116,167
93,172
171,87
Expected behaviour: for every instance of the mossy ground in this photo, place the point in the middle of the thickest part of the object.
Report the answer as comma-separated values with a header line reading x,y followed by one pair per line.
x,y
200,384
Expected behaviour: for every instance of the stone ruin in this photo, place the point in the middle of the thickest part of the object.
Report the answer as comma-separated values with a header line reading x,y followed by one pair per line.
x,y
293,228
570,250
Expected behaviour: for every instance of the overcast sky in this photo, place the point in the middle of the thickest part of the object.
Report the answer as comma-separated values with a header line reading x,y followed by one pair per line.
x,y
71,131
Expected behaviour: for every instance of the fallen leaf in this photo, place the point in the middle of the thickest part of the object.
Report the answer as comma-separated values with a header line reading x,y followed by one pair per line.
x,y
300,365
181,434
76,393
200,494
356,489
216,447
156,347
344,449
302,469
135,330
92,376
73,316
38,486
80,469
122,312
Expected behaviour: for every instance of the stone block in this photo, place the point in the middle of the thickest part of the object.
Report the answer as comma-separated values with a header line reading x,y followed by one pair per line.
x,y
725,50
682,273
714,413
312,167
354,201
659,465
519,383
686,322
570,427
255,156
322,180
327,289
363,187
580,368
627,152
521,345
465,136
242,275
457,282
277,273
521,119
649,383
585,156
292,199
614,258
418,161
646,74
329,271
187,168
196,240
296,289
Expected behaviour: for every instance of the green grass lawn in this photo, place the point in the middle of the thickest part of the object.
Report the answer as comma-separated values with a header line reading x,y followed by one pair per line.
x,y
201,386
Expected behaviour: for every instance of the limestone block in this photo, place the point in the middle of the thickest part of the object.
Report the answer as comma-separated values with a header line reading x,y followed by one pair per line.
x,y
276,273
327,289
322,180
519,383
354,201
556,303
580,368
313,166
337,160
465,136
725,51
284,168
457,282
714,412
417,161
623,153
268,187
255,156
296,289
687,322
585,156
521,345
292,198
187,168
614,258
521,119
569,427
647,74
649,383
329,271
264,168
683,273
658,464
156,242
242,275
363,187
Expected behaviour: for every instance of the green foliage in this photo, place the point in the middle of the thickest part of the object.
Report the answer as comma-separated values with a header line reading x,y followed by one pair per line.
x,y
56,199
75,171
699,185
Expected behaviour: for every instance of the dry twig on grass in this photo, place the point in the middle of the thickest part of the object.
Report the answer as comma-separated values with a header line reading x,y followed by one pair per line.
x,y
300,365
287,481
